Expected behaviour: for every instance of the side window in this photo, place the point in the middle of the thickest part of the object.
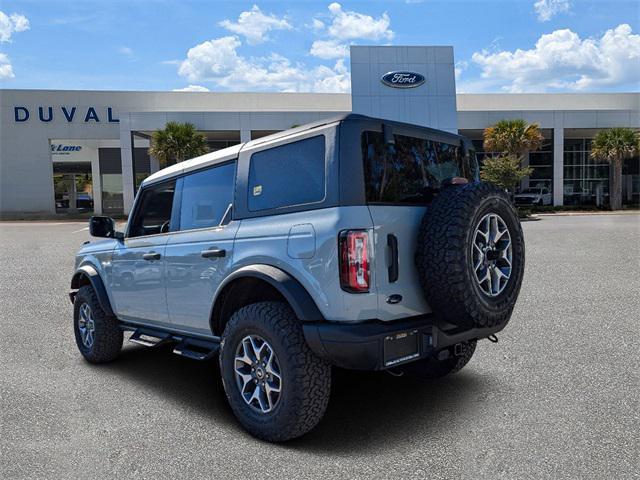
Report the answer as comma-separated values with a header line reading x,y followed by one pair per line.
x,y
206,196
411,169
153,213
291,174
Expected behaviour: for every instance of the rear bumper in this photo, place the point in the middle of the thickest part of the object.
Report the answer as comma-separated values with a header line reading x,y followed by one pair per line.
x,y
367,345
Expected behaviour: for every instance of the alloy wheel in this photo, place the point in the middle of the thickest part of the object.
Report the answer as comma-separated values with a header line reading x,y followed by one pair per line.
x,y
86,325
491,254
257,372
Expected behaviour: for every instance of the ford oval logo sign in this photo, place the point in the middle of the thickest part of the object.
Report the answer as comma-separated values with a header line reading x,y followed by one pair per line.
x,y
402,79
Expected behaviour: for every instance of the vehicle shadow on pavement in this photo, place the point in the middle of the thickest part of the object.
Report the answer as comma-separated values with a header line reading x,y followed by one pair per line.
x,y
193,384
376,412
368,411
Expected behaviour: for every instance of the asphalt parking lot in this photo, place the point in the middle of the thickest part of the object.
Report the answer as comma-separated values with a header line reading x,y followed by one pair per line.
x,y
557,397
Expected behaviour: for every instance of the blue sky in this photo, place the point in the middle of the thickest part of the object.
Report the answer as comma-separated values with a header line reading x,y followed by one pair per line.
x,y
500,46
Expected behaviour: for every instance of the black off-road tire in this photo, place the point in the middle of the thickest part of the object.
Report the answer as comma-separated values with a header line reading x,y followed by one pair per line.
x,y
108,337
306,379
443,256
431,367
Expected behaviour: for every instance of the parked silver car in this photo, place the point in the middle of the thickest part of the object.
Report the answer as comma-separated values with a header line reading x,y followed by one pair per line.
x,y
533,196
353,242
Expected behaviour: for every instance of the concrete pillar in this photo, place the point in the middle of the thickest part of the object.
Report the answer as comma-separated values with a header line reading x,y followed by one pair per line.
x,y
96,182
558,166
245,136
126,156
154,164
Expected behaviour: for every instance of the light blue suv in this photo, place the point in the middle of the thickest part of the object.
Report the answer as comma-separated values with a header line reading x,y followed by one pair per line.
x,y
353,242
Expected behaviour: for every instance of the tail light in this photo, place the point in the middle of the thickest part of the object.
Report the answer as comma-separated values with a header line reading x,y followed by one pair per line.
x,y
354,261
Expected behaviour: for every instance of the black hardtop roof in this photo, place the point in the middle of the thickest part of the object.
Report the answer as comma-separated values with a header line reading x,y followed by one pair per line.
x,y
349,117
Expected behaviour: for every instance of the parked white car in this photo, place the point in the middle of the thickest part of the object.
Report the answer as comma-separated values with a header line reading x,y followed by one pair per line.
x,y
533,196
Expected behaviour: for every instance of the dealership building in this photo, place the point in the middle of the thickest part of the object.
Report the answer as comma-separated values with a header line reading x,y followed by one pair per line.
x,y
68,152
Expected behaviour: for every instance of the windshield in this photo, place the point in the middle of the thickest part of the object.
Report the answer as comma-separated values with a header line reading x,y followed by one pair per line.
x,y
411,170
534,191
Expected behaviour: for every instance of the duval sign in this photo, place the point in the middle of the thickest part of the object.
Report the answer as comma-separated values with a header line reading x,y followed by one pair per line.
x,y
402,79
66,113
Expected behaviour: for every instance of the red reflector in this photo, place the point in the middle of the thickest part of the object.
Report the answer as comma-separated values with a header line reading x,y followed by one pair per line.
x,y
354,261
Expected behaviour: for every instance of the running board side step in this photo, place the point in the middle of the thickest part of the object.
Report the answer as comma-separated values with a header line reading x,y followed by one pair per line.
x,y
141,337
196,349
189,347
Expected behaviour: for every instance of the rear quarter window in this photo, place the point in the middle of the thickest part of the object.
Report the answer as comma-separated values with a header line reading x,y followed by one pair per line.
x,y
287,175
410,170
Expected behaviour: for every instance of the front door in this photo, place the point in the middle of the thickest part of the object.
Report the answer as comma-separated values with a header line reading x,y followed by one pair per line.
x,y
138,265
199,254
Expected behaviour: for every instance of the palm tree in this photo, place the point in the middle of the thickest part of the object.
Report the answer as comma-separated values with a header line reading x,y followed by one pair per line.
x,y
614,146
512,137
177,142
510,140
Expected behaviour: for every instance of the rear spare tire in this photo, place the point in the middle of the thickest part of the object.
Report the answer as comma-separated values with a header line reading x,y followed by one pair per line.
x,y
470,255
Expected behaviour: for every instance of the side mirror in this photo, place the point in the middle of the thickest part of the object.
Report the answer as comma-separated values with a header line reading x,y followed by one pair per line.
x,y
101,226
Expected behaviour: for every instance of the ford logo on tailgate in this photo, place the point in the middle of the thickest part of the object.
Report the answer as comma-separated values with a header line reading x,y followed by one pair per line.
x,y
402,79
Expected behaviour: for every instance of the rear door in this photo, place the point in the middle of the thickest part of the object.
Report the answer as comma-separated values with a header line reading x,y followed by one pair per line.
x,y
198,255
400,180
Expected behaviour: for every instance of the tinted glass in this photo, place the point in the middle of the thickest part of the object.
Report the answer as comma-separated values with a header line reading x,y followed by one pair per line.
x,y
291,174
153,215
206,196
412,169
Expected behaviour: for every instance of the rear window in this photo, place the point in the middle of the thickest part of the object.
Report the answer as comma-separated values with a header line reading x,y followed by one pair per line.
x,y
288,175
411,170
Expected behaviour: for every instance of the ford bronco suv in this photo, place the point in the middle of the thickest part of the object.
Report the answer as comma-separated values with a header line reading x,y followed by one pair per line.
x,y
352,242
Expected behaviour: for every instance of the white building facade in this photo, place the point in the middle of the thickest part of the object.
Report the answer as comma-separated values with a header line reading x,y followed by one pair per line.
x,y
70,152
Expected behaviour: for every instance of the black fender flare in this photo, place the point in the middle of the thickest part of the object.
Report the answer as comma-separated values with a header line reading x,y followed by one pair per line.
x,y
91,273
291,289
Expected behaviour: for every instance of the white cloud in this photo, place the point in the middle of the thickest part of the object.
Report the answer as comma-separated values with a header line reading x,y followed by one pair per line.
x,y
328,49
348,25
332,80
317,25
561,60
547,9
10,24
125,51
218,61
210,59
192,88
6,70
460,67
254,25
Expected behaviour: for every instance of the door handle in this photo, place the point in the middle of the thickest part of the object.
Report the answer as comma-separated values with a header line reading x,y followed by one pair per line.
x,y
213,253
151,256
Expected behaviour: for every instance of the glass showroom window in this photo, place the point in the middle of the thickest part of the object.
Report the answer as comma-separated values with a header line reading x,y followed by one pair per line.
x,y
541,160
111,180
542,163
73,187
586,181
